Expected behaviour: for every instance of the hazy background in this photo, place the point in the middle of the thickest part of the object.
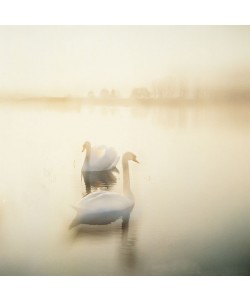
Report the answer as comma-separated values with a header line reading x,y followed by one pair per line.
x,y
73,60
191,214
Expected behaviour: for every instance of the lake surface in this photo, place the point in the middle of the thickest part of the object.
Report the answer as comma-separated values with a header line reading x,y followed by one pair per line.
x,y
191,188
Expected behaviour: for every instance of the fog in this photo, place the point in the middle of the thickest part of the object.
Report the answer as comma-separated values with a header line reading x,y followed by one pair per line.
x,y
176,98
73,60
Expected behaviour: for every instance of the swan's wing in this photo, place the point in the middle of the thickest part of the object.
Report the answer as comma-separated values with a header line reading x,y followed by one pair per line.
x,y
112,157
103,201
102,158
95,163
98,161
102,208
115,162
86,199
97,152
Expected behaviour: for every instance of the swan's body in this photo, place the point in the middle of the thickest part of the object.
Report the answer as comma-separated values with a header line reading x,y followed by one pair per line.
x,y
103,207
99,158
100,208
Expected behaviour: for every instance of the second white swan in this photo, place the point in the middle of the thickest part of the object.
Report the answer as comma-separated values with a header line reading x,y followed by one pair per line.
x,y
99,158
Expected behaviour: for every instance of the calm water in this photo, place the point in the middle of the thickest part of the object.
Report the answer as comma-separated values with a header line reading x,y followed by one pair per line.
x,y
192,206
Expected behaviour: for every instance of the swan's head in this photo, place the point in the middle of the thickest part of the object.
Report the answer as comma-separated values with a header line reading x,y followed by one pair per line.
x,y
85,146
130,156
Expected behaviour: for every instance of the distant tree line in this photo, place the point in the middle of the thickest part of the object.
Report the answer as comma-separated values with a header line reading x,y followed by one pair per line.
x,y
105,94
226,85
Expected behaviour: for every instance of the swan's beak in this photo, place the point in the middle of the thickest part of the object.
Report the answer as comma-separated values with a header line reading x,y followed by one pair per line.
x,y
135,160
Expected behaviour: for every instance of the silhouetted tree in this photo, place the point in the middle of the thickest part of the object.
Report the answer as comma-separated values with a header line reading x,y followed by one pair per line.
x,y
104,94
114,94
91,95
140,93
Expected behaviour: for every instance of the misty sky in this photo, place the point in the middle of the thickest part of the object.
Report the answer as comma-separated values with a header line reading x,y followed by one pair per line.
x,y
72,60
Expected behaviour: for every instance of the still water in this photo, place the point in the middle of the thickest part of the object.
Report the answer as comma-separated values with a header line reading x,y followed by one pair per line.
x,y
191,188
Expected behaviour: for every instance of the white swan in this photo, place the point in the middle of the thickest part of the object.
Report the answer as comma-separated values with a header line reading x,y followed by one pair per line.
x,y
99,158
103,207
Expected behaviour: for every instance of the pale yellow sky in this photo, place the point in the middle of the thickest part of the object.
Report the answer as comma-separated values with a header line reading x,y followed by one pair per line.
x,y
71,60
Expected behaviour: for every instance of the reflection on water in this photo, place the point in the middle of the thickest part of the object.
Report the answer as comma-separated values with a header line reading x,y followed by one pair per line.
x,y
100,180
192,209
128,253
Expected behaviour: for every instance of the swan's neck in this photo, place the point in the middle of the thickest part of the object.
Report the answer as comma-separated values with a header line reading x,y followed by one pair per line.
x,y
126,179
88,153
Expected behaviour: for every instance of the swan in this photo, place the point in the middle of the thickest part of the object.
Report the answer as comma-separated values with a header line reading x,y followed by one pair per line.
x,y
99,158
104,207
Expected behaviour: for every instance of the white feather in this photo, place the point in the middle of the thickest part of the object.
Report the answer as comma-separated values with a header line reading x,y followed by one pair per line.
x,y
101,158
104,201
